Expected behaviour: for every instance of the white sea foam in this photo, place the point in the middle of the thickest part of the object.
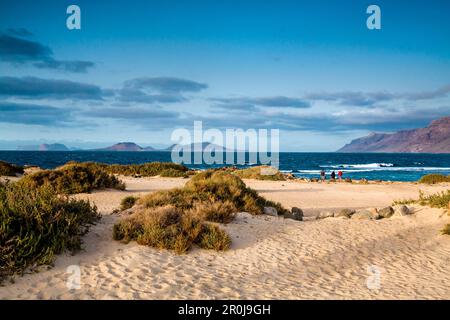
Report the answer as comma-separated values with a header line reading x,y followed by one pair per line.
x,y
354,169
361,166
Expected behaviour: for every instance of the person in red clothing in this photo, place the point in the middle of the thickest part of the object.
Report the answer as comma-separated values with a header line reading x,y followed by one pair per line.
x,y
340,175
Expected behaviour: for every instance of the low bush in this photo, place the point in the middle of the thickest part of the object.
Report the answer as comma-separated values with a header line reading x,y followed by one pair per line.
x,y
150,169
127,202
163,169
10,170
434,178
36,224
73,178
211,187
178,218
437,200
260,173
170,228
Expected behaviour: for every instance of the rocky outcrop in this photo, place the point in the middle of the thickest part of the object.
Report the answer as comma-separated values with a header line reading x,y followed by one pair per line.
x,y
365,214
402,211
432,139
270,211
347,213
325,214
296,214
386,212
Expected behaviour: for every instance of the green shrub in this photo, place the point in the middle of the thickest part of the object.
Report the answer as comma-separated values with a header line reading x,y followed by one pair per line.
x,y
73,178
10,170
260,173
437,200
404,202
150,169
127,202
36,224
434,178
211,187
169,228
176,219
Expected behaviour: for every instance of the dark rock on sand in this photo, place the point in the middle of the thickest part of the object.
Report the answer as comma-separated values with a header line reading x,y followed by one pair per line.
x,y
296,214
386,212
402,211
365,214
345,213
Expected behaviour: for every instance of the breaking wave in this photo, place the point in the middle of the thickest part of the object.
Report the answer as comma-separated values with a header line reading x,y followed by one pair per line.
x,y
359,166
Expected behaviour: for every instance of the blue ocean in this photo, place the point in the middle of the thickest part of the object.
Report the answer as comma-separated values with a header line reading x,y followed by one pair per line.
x,y
372,166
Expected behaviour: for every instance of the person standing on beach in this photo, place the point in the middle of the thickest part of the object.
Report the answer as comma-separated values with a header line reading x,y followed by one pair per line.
x,y
322,175
333,175
340,175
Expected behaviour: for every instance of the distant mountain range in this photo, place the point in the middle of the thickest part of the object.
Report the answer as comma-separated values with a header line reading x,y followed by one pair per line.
x,y
125,146
432,139
131,146
119,147
45,147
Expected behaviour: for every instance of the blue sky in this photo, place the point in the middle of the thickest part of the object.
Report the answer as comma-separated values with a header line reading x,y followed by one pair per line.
x,y
138,70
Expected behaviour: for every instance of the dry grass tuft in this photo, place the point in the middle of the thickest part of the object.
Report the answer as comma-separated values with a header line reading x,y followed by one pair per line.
x,y
170,228
178,218
10,170
434,178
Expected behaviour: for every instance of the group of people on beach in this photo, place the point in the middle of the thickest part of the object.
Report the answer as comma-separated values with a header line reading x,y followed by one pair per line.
x,y
323,175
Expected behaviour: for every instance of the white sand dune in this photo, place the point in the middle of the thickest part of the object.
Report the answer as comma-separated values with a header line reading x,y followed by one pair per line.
x,y
270,258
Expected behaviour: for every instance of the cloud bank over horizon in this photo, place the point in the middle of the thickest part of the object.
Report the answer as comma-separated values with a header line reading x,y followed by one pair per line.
x,y
140,79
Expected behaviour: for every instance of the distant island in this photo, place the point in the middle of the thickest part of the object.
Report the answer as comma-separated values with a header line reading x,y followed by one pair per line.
x,y
119,147
432,139
131,146
45,147
126,146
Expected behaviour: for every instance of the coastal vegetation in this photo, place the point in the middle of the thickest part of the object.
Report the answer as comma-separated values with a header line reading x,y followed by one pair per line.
x,y
150,169
128,202
437,200
212,186
178,218
36,224
434,178
260,173
10,170
73,178
171,228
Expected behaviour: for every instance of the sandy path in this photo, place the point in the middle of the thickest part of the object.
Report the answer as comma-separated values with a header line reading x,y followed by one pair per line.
x,y
270,257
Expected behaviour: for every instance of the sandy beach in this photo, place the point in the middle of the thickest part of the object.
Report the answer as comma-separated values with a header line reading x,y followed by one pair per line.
x,y
270,257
